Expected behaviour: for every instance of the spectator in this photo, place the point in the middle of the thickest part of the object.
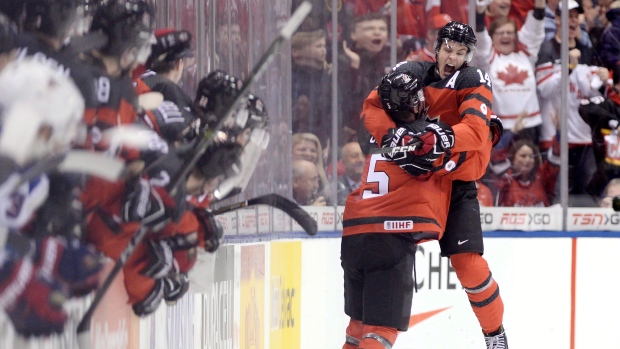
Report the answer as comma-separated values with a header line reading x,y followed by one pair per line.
x,y
410,16
306,184
553,10
369,36
516,10
603,116
530,181
311,80
509,57
599,23
306,146
230,50
584,82
353,161
427,53
611,190
610,41
458,10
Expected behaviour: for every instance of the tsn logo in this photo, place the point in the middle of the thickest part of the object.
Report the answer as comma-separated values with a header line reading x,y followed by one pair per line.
x,y
590,219
525,218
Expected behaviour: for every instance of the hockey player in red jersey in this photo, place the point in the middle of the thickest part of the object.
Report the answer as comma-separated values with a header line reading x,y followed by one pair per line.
x,y
460,96
165,67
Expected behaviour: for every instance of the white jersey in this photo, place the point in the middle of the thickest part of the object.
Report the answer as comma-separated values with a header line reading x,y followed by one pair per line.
x,y
513,75
583,83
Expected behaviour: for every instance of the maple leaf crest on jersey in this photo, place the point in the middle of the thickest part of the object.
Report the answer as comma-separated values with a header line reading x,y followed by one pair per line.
x,y
513,75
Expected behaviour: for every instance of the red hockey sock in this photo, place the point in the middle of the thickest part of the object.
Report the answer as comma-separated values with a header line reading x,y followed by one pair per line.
x,y
483,292
375,336
354,334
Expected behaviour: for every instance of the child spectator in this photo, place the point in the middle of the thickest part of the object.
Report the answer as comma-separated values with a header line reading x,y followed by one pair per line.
x,y
311,85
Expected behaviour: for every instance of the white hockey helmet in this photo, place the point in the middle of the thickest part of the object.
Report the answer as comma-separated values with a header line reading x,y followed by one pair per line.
x,y
41,111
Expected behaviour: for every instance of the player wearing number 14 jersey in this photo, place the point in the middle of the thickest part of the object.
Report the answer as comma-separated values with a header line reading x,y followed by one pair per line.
x,y
458,99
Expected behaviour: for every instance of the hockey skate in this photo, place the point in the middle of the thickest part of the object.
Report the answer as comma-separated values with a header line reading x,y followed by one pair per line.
x,y
496,340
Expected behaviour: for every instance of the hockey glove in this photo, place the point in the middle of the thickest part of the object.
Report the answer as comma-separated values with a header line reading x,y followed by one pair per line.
x,y
149,304
148,204
436,139
71,262
497,129
405,158
161,261
38,310
210,231
175,286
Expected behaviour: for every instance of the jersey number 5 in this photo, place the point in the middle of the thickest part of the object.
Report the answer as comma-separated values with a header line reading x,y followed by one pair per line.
x,y
379,177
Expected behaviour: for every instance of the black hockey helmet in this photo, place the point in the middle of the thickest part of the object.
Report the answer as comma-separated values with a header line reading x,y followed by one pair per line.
x,y
459,32
215,92
51,17
170,46
7,34
402,95
126,24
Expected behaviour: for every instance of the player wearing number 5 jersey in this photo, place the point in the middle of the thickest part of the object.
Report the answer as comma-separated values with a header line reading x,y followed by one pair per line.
x,y
459,99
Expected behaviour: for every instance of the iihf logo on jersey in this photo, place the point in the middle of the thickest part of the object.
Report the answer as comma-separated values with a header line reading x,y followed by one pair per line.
x,y
398,225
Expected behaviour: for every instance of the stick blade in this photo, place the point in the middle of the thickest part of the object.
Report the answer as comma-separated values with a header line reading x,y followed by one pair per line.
x,y
300,216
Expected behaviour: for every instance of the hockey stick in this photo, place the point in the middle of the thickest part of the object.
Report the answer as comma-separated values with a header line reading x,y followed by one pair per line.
x,y
403,149
281,203
83,329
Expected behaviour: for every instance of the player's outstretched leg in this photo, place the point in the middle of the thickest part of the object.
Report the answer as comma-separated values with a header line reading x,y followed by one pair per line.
x,y
354,334
473,272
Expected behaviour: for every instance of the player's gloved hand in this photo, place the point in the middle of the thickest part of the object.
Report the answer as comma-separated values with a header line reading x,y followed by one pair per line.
x,y
436,139
161,259
151,302
175,286
497,129
38,311
148,204
210,232
404,137
71,262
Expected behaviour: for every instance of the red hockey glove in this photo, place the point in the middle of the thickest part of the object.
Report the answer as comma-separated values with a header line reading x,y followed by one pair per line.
x,y
436,139
497,129
401,137
211,231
